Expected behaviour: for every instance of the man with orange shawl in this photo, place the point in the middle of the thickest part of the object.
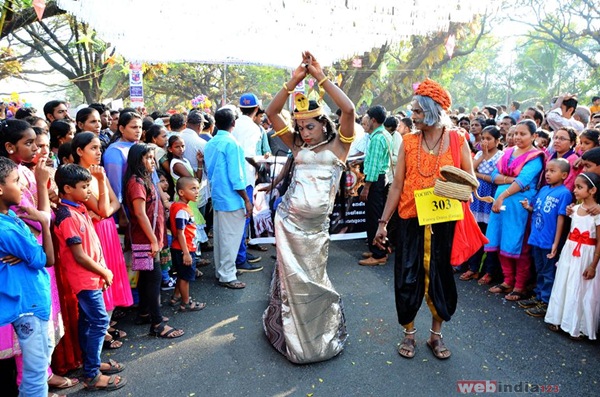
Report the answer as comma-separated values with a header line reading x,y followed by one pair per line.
x,y
422,266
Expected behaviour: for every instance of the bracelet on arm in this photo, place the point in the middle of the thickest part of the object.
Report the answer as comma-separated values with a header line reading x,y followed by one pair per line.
x,y
346,139
282,131
382,221
285,87
322,81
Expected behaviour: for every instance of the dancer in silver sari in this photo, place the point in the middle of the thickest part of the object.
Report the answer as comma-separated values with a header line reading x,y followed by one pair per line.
x,y
305,319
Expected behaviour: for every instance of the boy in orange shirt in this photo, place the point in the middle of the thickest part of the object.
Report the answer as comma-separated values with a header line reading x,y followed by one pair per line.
x,y
183,250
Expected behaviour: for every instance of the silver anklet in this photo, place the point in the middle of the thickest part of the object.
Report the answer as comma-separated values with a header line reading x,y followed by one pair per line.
x,y
414,331
436,333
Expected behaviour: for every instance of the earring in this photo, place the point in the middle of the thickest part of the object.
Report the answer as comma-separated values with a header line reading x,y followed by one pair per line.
x,y
10,152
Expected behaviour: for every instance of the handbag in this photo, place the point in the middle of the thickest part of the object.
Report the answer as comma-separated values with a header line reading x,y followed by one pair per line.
x,y
141,254
468,238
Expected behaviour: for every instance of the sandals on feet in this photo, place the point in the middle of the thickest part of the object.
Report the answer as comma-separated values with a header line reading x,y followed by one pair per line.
x,y
117,333
235,284
515,296
437,346
113,367
500,289
485,280
65,384
113,383
160,331
111,344
468,275
554,328
407,347
191,306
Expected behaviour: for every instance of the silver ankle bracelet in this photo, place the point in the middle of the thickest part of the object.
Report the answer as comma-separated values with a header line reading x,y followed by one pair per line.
x,y
414,331
436,333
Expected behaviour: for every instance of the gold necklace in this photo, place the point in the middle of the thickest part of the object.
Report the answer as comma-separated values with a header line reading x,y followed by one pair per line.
x,y
437,160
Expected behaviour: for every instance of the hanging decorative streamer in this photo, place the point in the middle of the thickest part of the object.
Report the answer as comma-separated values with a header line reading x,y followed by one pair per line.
x,y
161,31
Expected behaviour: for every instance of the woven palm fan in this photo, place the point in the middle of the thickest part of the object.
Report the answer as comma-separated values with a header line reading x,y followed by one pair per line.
x,y
458,184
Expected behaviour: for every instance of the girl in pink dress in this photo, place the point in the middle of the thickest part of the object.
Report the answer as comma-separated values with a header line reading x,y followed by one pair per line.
x,y
102,205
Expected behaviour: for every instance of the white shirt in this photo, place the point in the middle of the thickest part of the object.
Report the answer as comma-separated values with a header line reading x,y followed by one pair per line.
x,y
556,120
193,145
247,133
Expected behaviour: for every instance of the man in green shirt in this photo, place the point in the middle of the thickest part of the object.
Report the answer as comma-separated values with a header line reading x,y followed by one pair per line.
x,y
374,193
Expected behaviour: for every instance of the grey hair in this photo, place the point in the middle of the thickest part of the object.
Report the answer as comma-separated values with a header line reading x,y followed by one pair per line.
x,y
432,111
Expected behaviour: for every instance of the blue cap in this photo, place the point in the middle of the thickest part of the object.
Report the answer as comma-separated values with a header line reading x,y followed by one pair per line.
x,y
249,100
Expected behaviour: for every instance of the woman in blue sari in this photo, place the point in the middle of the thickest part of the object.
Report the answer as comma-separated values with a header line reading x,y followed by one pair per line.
x,y
517,175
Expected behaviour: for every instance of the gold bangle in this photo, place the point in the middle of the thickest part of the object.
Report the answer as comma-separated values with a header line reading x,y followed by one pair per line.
x,y
320,83
282,131
345,139
287,89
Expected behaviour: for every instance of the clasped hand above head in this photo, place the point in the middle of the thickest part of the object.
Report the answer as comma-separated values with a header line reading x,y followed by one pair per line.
x,y
309,66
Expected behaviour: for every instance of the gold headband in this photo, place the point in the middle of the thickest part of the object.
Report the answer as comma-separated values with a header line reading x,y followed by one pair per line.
x,y
302,112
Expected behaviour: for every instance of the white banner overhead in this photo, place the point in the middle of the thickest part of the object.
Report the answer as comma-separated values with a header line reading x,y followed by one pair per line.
x,y
265,32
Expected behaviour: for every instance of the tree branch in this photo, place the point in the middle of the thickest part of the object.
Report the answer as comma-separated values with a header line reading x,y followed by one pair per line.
x,y
26,17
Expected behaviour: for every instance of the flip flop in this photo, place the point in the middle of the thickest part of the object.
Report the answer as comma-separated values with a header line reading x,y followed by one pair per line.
x,y
67,383
515,296
233,284
112,384
500,289
115,367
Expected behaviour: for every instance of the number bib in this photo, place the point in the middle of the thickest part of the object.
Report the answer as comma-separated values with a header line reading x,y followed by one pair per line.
x,y
436,209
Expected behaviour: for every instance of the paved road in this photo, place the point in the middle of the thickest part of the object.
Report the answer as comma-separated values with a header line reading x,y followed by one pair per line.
x,y
225,353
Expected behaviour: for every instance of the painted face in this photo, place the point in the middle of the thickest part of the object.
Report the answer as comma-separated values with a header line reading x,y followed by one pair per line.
x,y
11,189
92,123
522,137
562,141
418,115
177,148
25,149
91,154
148,161
81,191
311,131
132,132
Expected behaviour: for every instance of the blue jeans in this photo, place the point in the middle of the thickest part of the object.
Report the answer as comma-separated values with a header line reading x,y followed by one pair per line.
x,y
93,324
36,347
546,270
241,256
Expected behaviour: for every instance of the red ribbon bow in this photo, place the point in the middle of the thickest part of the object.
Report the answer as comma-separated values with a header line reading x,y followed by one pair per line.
x,y
580,238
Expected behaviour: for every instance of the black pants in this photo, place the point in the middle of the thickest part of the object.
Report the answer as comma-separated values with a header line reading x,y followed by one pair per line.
x,y
373,210
149,292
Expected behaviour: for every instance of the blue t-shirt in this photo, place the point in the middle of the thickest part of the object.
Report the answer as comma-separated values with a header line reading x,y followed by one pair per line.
x,y
548,204
24,287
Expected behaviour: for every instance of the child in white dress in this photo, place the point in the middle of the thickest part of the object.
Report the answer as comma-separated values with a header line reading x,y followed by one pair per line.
x,y
574,303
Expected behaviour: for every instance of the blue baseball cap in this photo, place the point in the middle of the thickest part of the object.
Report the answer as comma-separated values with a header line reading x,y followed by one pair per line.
x,y
249,100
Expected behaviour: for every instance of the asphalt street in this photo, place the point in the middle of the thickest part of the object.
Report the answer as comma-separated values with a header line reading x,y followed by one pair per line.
x,y
225,353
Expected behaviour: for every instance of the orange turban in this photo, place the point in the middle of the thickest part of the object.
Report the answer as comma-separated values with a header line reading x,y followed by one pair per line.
x,y
436,92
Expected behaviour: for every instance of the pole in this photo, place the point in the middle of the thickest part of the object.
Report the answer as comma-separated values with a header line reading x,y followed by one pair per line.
x,y
224,99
